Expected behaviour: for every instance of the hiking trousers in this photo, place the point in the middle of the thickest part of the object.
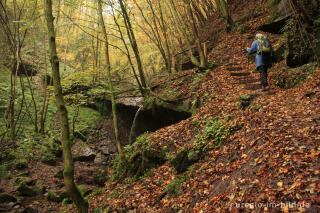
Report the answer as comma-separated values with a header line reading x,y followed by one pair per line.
x,y
263,75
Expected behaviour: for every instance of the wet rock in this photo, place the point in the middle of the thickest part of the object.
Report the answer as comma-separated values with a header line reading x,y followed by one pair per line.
x,y
7,198
82,152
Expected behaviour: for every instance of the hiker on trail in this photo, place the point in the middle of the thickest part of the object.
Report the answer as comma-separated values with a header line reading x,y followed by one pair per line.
x,y
264,52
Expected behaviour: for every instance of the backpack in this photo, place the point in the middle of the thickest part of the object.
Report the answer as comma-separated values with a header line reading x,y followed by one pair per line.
x,y
264,46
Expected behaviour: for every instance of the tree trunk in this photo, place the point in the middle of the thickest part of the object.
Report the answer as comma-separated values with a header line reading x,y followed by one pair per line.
x,y
203,60
68,172
133,42
113,101
127,51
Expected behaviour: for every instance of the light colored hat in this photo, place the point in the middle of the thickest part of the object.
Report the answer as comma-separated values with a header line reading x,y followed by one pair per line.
x,y
259,35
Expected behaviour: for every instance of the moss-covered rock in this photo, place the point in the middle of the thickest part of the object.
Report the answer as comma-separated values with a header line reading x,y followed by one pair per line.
x,y
57,196
28,181
24,190
144,160
49,159
6,198
39,187
141,156
21,164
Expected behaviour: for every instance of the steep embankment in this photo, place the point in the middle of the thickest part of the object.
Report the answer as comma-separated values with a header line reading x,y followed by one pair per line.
x,y
271,164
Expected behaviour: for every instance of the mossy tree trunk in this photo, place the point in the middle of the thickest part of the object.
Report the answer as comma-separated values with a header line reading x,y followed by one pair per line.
x,y
68,172
113,101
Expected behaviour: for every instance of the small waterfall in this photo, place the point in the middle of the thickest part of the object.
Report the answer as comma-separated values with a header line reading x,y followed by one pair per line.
x,y
134,124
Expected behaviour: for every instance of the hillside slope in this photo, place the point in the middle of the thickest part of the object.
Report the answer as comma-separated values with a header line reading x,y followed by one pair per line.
x,y
271,164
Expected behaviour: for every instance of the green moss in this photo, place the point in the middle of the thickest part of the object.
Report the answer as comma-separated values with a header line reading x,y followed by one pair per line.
x,y
24,190
141,156
26,180
4,174
12,155
100,177
173,187
243,29
290,78
244,101
57,196
39,187
184,159
214,132
21,164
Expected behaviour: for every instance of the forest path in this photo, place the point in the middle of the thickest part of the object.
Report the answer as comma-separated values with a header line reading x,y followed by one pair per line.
x,y
274,157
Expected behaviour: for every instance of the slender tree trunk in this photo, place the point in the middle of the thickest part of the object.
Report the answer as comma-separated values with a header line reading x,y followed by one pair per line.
x,y
44,106
127,51
133,42
203,60
68,172
113,101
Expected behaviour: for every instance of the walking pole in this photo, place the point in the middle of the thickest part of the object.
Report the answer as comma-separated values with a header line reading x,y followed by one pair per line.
x,y
247,68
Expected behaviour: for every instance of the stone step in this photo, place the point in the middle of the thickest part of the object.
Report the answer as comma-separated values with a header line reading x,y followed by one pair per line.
x,y
253,87
239,73
248,81
234,68
232,64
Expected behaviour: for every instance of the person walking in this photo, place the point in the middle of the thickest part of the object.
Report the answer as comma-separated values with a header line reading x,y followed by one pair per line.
x,y
264,53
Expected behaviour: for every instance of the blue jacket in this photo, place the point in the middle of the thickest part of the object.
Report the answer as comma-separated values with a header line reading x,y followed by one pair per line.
x,y
260,61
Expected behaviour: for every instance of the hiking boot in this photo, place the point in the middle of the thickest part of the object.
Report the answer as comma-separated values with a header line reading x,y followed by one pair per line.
x,y
265,88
